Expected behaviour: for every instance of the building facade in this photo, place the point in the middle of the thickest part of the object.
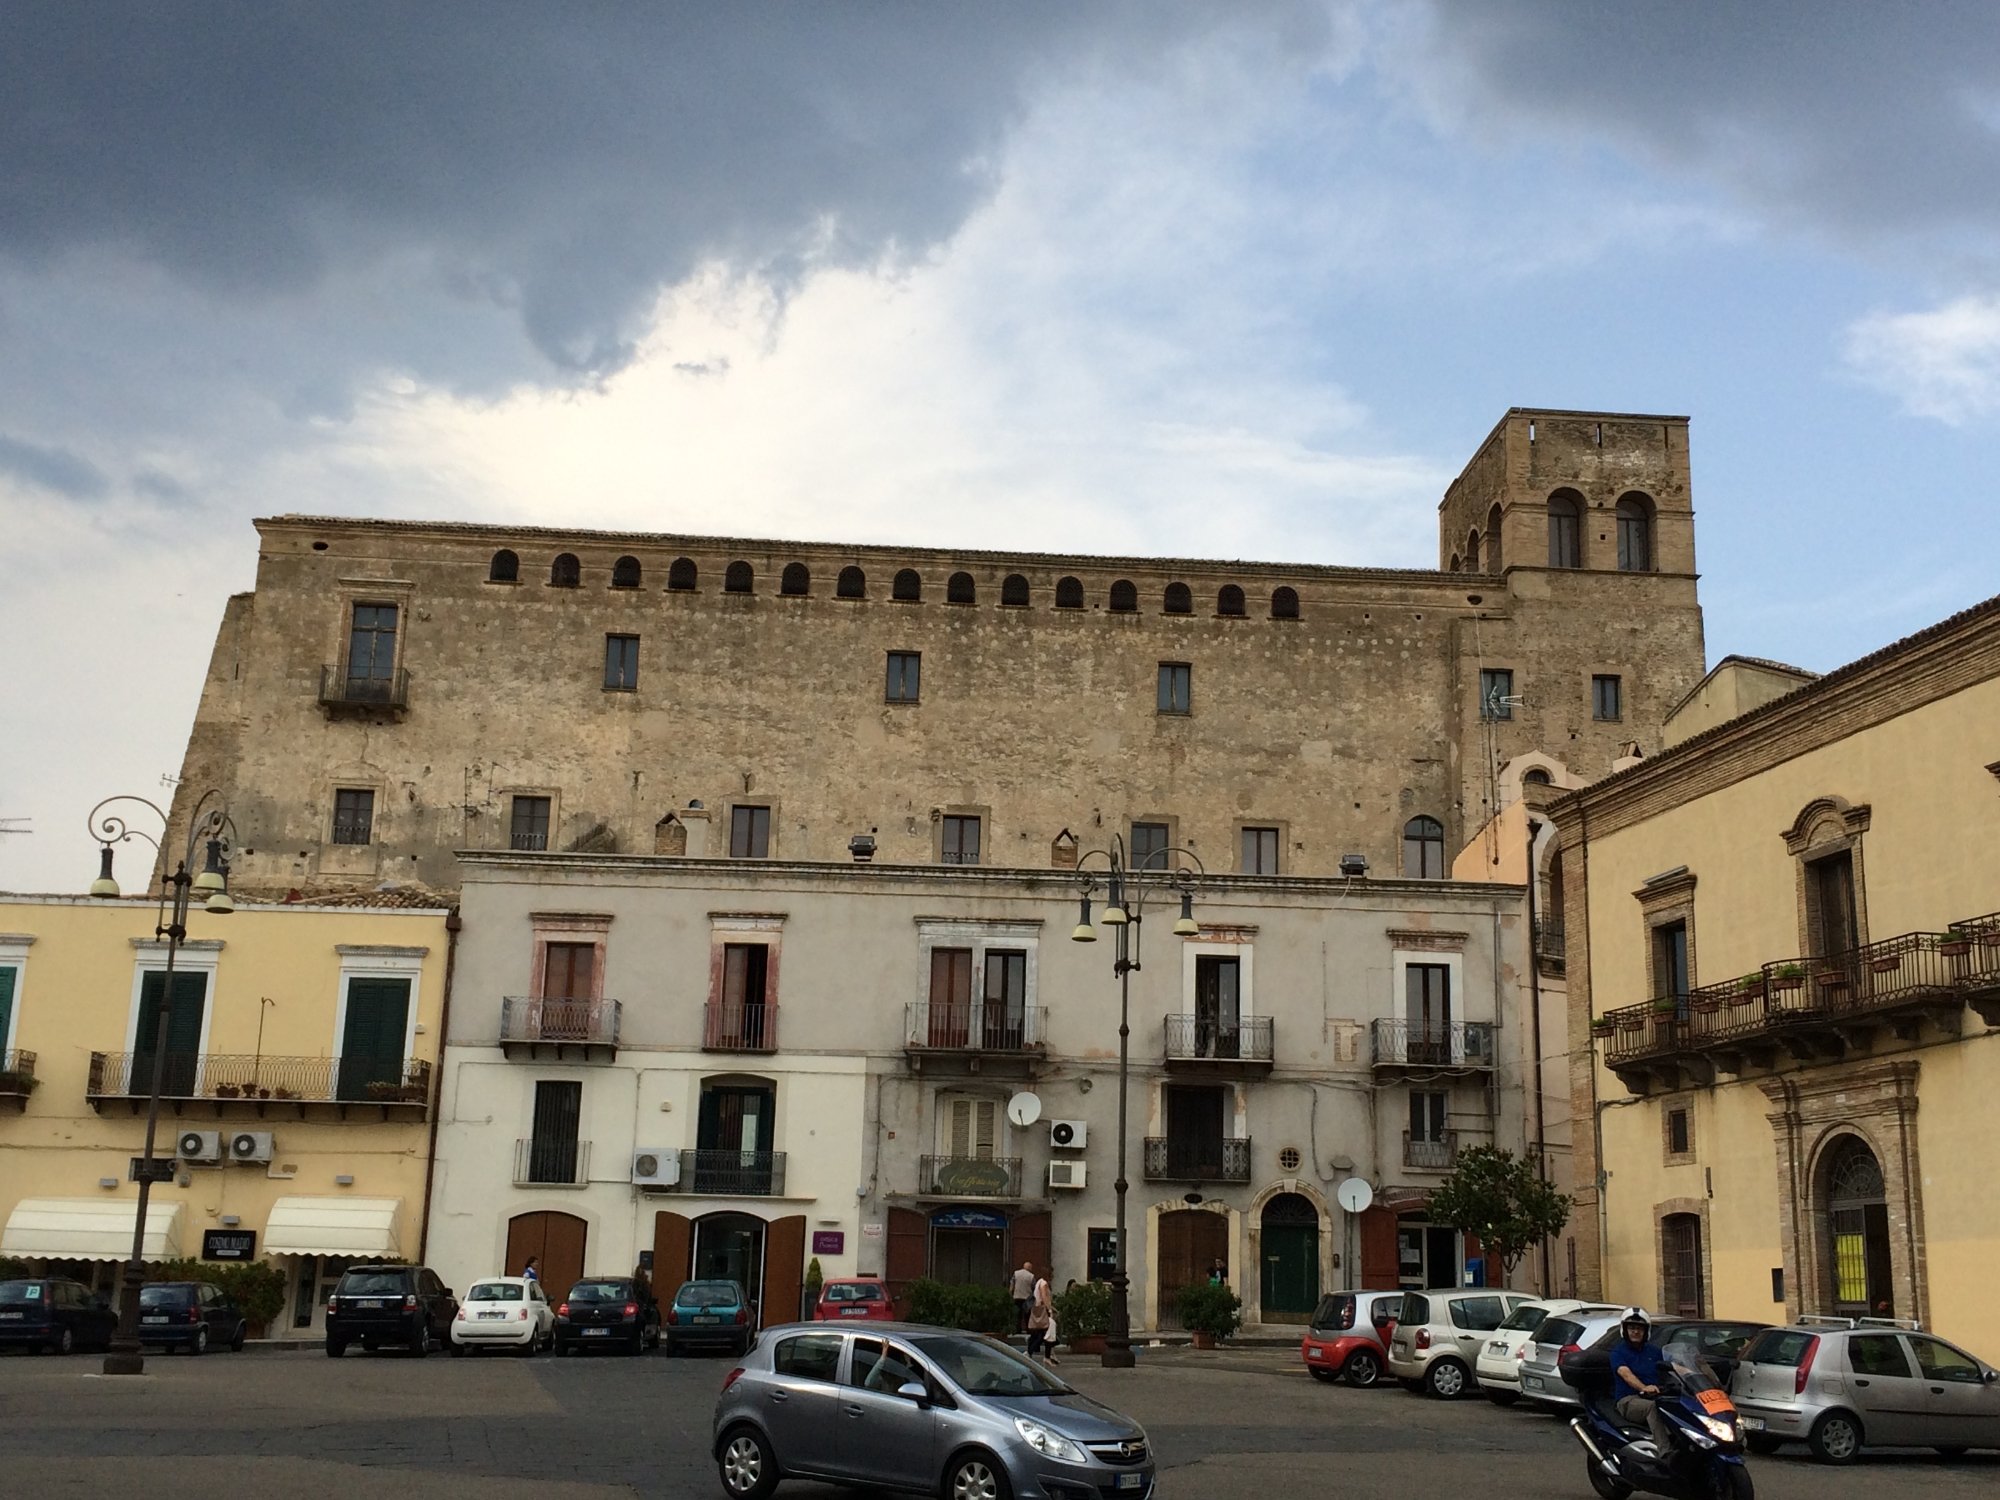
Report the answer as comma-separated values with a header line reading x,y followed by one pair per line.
x,y
299,1060
1791,980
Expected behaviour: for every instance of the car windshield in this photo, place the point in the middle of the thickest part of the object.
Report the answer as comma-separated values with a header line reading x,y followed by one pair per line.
x,y
1416,1309
20,1291
158,1296
1526,1318
1558,1331
496,1291
853,1292
1780,1346
600,1291
1334,1311
982,1367
707,1294
372,1284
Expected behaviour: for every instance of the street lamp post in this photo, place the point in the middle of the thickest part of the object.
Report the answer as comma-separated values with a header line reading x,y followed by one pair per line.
x,y
1126,890
207,825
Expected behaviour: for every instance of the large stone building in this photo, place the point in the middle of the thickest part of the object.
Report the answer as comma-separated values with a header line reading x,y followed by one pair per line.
x,y
392,692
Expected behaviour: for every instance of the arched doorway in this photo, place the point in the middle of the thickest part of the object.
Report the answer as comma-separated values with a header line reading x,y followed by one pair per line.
x,y
1191,1241
1289,1287
1855,1207
557,1242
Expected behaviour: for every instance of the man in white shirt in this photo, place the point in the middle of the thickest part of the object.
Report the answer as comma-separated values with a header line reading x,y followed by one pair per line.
x,y
1024,1294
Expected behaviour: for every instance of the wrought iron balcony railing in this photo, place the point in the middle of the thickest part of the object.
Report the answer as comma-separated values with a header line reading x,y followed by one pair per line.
x,y
733,1174
551,1161
218,1078
973,1028
337,689
1433,1044
737,1026
1173,1158
17,1076
588,1023
969,1176
1203,1038
1435,1154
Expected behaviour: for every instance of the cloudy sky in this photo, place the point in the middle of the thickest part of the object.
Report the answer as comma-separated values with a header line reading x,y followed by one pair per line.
x,y
1246,279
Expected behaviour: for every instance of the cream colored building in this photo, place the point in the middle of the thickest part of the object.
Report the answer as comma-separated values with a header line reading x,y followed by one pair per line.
x,y
297,1082
1792,980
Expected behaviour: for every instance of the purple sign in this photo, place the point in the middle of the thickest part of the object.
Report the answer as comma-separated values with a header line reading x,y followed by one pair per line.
x,y
829,1241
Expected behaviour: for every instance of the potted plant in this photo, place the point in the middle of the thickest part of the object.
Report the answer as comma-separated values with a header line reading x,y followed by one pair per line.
x,y
1883,963
1631,1020
1706,1004
285,1093
1603,1026
228,1091
383,1092
1083,1316
1666,1005
1788,976
1957,942
1989,937
1753,985
1210,1311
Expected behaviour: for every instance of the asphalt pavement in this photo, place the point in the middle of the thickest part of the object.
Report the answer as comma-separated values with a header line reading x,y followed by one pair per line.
x,y
1227,1425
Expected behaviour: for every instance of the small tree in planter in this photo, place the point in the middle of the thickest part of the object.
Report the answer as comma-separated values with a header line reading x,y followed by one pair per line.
x,y
815,1279
1210,1311
1083,1316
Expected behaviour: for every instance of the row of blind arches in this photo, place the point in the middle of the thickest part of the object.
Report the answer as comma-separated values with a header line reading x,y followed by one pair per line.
x,y
908,586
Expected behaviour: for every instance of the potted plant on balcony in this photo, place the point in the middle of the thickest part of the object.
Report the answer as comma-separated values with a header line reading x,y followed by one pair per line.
x,y
1083,1316
1603,1026
1957,942
1705,1003
382,1091
1788,976
1883,963
1210,1311
1631,1020
1753,985
1666,1006
228,1091
281,1093
13,1082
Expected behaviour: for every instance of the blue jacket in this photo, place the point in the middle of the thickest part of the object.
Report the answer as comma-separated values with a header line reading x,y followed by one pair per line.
x,y
1644,1362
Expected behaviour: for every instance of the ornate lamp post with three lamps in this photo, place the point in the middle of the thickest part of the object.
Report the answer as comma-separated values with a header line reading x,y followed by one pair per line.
x,y
1170,870
206,825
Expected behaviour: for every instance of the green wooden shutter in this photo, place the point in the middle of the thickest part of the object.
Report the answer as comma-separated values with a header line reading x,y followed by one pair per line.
x,y
371,1043
6,1002
184,1019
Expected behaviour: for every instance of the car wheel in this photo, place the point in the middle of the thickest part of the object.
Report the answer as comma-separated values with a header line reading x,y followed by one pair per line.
x,y
199,1343
1447,1379
335,1348
1319,1372
1603,1483
421,1344
457,1349
1363,1369
66,1341
242,1337
1503,1398
1762,1442
976,1476
749,1469
1835,1438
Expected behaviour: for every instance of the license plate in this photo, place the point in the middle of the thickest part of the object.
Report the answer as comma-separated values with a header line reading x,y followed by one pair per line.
x,y
493,1315
596,1333
854,1312
372,1302
1530,1382
153,1320
1313,1351
1131,1481
1498,1346
13,1317
1750,1424
706,1318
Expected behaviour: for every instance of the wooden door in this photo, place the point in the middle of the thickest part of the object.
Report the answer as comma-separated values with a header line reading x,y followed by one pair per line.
x,y
784,1269
557,1240
1288,1280
909,1252
1032,1239
1379,1268
951,997
1191,1241
673,1240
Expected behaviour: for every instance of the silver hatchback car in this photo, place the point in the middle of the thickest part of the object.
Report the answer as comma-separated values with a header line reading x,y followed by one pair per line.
x,y
928,1410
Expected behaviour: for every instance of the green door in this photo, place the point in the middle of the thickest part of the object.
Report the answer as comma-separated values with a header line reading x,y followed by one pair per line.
x,y
1290,1240
371,1043
184,1017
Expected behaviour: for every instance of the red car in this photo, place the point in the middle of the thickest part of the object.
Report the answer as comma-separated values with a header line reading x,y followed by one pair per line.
x,y
851,1298
1349,1336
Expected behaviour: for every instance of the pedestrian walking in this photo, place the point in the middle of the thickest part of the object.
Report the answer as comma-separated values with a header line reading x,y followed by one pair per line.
x,y
528,1272
1042,1323
1022,1285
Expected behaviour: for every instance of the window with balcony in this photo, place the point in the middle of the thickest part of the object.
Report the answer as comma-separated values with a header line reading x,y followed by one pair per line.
x,y
1258,851
353,815
745,1023
1218,1005
1607,698
371,653
958,839
1670,962
905,677
374,1036
1429,1142
1427,1013
1197,1144
621,663
733,1138
1496,693
528,823
950,1014
1004,1012
553,1146
749,832
1175,693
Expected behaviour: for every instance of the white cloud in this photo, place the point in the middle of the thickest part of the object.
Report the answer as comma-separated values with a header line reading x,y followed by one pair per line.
x,y
1944,363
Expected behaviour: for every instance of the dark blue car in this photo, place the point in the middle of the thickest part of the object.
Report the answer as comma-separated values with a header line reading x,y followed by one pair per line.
x,y
54,1314
190,1315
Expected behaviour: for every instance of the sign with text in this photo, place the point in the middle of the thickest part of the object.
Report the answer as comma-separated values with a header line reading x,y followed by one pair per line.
x,y
829,1242
229,1244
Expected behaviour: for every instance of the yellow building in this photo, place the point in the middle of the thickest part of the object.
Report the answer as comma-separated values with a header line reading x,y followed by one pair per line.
x,y
297,1085
1791,986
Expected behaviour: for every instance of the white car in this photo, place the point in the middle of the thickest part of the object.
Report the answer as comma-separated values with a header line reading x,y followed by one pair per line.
x,y
1502,1355
504,1312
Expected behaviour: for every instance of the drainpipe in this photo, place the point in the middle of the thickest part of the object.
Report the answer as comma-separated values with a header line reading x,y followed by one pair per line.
x,y
453,923
1535,1022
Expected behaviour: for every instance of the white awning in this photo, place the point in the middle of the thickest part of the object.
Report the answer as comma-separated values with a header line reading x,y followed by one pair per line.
x,y
90,1229
327,1225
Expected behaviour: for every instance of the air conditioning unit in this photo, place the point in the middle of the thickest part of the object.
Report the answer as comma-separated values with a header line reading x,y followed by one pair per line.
x,y
1066,1174
250,1146
1068,1135
656,1166
199,1146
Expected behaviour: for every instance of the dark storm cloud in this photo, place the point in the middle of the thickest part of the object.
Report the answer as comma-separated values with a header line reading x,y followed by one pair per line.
x,y
55,469
560,163
1873,121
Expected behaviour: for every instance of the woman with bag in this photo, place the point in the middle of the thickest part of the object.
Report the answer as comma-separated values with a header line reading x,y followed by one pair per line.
x,y
1042,1323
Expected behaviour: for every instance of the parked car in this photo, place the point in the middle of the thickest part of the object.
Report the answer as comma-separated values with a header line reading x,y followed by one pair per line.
x,y
190,1315
504,1312
377,1305
1349,1335
613,1312
929,1410
1438,1334
1715,1342
1840,1385
1498,1367
854,1298
711,1314
54,1313
1562,1338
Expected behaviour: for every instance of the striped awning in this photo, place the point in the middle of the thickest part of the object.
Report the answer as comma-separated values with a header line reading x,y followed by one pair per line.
x,y
90,1229
332,1225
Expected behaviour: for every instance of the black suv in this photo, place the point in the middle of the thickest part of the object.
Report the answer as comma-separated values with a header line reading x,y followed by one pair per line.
x,y
190,1315
377,1305
54,1314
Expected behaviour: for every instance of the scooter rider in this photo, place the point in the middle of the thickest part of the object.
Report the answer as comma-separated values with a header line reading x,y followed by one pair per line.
x,y
1636,1364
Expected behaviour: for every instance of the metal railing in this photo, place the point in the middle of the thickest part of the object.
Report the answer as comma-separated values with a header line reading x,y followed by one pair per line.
x,y
1430,1155
17,1074
969,1176
973,1028
523,842
733,1174
587,1022
551,1161
261,1079
1433,1044
338,689
358,829
1173,1158
1200,1038
738,1026
1549,940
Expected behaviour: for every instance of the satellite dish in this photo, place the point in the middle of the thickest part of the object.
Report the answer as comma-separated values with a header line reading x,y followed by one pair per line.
x,y
1354,1194
1024,1109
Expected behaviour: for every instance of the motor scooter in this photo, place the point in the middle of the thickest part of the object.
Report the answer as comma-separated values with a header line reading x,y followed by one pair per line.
x,y
1704,1457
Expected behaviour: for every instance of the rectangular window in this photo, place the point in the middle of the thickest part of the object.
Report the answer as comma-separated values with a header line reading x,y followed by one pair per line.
x,y
353,815
1606,699
1429,1108
745,1013
959,840
750,833
621,663
1195,1131
569,971
1427,1014
905,677
1496,692
1149,844
552,1149
1679,1138
1176,687
1004,1016
529,825
371,650
1218,1006
1670,961
1259,851
971,1129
